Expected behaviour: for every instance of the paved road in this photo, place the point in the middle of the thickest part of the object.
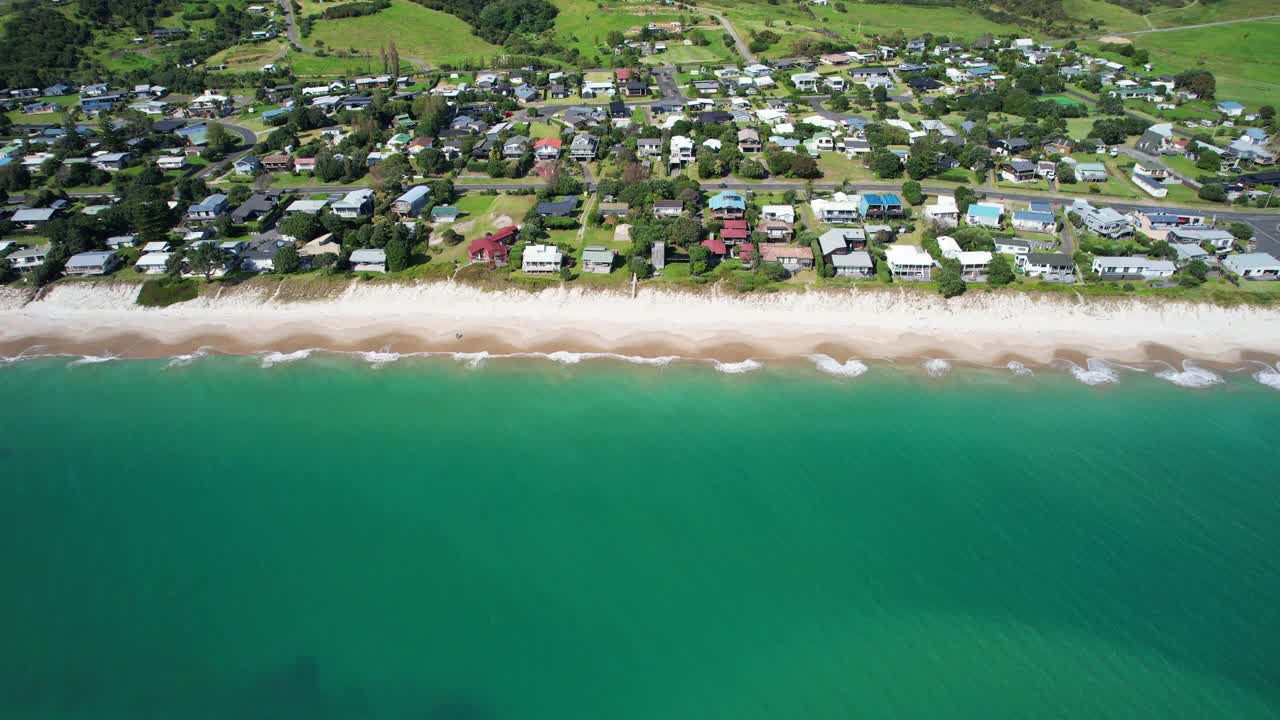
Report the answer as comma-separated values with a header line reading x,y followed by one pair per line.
x,y
247,140
291,29
743,49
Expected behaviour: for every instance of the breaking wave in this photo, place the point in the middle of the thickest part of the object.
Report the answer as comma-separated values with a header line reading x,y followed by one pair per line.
x,y
1268,375
378,358
279,358
1191,376
1019,369
187,359
830,366
738,368
92,360
1095,372
936,367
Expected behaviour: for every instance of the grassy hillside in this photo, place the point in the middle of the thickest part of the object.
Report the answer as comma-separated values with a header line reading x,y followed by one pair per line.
x,y
1202,11
419,33
1239,55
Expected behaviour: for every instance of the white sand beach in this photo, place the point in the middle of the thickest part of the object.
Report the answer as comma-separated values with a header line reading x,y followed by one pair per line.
x,y
979,327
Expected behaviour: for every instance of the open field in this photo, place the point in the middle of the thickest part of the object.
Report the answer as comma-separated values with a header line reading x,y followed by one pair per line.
x,y
1112,18
428,35
583,25
714,53
1196,12
1234,53
880,19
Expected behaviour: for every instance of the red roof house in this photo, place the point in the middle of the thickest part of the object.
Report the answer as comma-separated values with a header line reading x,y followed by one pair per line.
x,y
506,235
486,249
716,247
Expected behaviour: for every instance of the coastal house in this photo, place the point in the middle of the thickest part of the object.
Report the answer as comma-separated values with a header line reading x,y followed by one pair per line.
x,y
1105,221
880,205
256,207
1017,171
248,165
369,260
1055,267
839,209
92,263
597,260
776,230
784,213
1012,246
667,208
1087,172
542,259
1253,266
727,205
943,212
841,241
548,148
153,263
984,215
28,259
1034,221
207,210
566,206
1220,240
355,204
909,263
487,249
412,201
1132,268
856,264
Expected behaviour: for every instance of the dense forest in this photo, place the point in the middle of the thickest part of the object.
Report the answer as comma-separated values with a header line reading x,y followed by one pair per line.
x,y
38,44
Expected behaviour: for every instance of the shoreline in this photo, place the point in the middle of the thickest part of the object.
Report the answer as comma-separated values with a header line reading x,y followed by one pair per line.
x,y
100,319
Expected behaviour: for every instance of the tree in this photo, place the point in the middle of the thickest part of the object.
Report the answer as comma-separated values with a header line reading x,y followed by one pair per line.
x,y
1241,231
1201,82
205,260
773,271
912,192
1213,192
286,260
1198,269
641,266
805,167
699,259
965,197
752,170
1000,271
884,164
950,284
301,226
398,254
840,103
1209,160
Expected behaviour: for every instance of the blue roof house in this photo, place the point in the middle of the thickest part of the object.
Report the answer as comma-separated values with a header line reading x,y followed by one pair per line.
x,y
728,204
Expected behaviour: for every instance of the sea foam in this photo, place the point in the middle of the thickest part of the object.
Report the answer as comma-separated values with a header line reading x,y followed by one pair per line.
x,y
279,358
91,360
830,366
1095,372
1019,369
187,359
1191,376
738,368
936,367
1269,376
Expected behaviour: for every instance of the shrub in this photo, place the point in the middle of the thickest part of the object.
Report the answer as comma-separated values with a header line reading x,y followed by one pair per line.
x,y
166,291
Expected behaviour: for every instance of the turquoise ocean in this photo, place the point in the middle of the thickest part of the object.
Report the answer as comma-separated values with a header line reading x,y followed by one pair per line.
x,y
244,537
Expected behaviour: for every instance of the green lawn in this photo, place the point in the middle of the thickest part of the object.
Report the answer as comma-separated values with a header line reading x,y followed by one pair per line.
x,y
1193,13
716,52
249,57
419,33
310,65
837,168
